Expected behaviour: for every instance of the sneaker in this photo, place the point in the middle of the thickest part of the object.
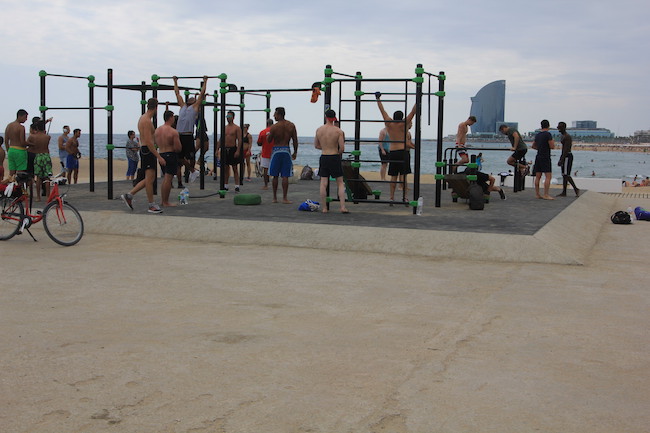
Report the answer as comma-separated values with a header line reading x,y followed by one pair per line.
x,y
154,208
193,176
502,194
180,185
237,188
128,200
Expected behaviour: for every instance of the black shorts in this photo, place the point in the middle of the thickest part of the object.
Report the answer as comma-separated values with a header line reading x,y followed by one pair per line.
x,y
30,162
383,156
399,162
188,150
330,165
568,165
230,156
519,154
542,165
147,159
171,162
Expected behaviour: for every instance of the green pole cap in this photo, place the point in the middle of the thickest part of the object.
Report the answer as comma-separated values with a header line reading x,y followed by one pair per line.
x,y
355,152
155,77
242,105
42,108
359,93
441,164
442,77
419,70
268,96
328,80
110,147
91,78
472,177
109,108
413,203
472,165
356,164
42,73
215,109
329,199
267,110
187,93
439,176
223,84
143,102
376,193
154,84
222,76
329,71
224,90
91,85
440,94
358,77
418,80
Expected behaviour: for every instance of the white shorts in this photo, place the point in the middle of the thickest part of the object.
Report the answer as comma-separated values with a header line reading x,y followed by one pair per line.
x,y
265,162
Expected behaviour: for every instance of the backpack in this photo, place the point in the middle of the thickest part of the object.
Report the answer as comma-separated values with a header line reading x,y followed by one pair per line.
x,y
476,199
621,217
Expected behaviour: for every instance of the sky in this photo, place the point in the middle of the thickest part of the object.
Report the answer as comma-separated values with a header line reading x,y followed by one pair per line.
x,y
562,60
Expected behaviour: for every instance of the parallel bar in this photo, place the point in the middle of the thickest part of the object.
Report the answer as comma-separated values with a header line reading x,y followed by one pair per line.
x,y
67,76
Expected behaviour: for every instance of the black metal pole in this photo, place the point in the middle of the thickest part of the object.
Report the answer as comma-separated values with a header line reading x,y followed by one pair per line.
x,y
222,140
418,133
91,130
441,109
109,131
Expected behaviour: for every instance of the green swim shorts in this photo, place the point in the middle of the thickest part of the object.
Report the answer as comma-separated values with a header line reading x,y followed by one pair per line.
x,y
42,165
17,159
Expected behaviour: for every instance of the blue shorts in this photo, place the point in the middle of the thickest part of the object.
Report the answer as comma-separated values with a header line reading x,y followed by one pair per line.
x,y
281,162
72,163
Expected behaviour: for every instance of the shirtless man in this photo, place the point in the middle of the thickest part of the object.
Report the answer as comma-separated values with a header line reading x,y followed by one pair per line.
x,y
329,138
281,158
396,128
148,157
169,145
72,161
63,138
187,116
16,144
461,141
234,154
39,142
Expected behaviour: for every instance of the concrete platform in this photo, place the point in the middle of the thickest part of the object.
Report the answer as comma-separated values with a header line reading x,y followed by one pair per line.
x,y
520,229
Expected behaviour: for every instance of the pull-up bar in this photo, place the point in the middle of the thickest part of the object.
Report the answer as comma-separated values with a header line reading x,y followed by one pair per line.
x,y
42,73
155,77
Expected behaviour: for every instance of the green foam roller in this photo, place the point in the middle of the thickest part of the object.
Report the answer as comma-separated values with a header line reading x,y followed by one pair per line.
x,y
110,147
42,73
356,153
42,108
439,176
472,177
247,199
359,93
472,165
356,164
441,164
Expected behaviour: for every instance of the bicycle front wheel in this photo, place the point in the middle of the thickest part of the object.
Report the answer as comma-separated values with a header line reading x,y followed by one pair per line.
x,y
11,216
62,223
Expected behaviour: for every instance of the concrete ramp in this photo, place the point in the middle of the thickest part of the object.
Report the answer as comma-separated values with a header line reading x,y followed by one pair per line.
x,y
566,239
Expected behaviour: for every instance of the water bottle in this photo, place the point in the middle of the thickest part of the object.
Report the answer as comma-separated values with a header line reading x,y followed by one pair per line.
x,y
631,212
185,196
418,210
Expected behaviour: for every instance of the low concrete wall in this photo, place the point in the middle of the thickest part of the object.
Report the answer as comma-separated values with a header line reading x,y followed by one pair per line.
x,y
587,183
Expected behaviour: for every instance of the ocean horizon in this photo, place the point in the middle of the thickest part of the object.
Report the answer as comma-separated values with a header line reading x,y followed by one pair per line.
x,y
602,164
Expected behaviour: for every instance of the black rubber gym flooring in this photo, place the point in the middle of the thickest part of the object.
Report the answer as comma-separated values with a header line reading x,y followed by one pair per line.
x,y
521,213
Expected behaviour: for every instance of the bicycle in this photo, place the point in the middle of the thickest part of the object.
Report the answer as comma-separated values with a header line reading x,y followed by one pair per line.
x,y
61,221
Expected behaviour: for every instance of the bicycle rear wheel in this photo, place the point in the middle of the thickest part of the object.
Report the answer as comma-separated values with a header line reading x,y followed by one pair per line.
x,y
11,216
62,223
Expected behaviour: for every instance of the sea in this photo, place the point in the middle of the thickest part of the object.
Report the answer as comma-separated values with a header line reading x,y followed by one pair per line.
x,y
598,164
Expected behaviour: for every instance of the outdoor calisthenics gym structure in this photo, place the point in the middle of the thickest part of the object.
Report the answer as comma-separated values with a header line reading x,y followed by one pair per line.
x,y
220,105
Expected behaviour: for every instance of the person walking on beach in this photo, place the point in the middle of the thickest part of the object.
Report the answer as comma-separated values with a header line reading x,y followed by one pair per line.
x,y
63,138
281,157
132,146
247,144
384,149
461,141
234,154
267,148
517,145
330,140
39,145
396,128
187,116
566,160
543,144
148,157
169,145
16,144
72,161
